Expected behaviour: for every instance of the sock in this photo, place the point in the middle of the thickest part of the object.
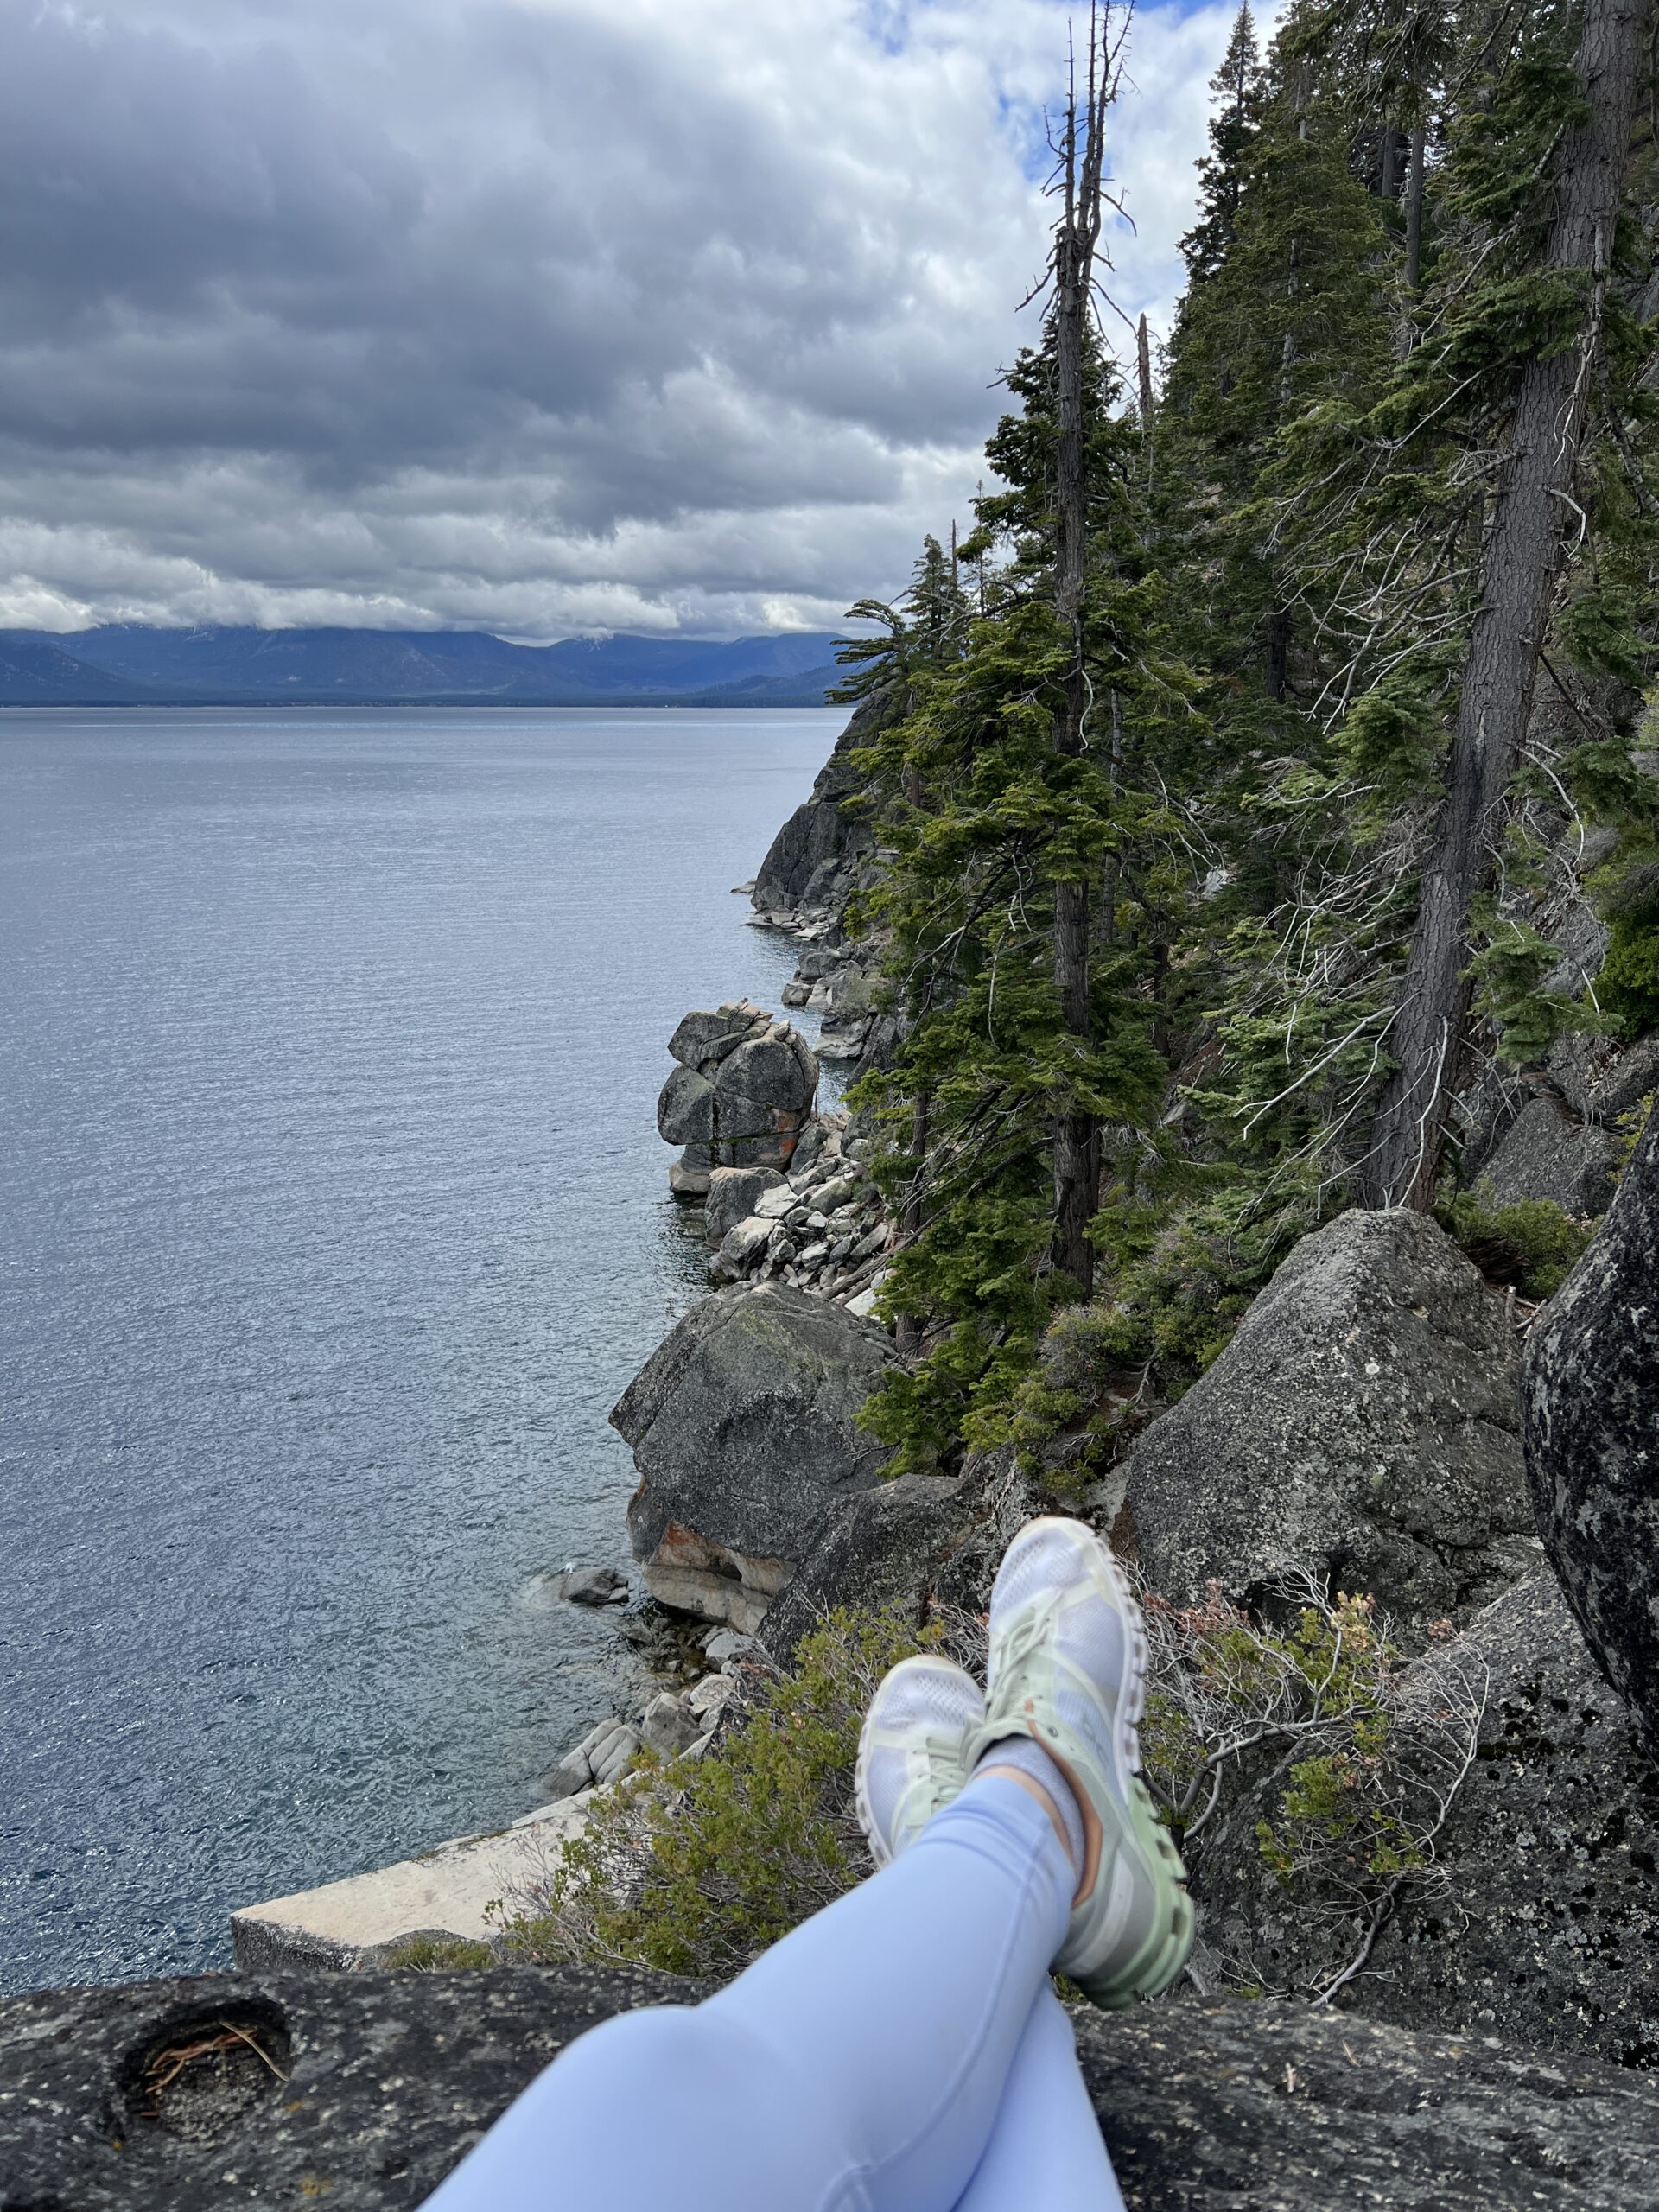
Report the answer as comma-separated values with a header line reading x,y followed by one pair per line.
x,y
1029,1757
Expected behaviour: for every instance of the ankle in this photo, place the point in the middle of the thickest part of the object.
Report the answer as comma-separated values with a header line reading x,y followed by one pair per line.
x,y
1026,1762
992,1771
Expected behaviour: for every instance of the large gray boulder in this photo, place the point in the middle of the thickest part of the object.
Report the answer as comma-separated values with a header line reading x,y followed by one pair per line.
x,y
1552,1153
1591,1408
380,2083
733,1193
923,1542
742,1090
1601,1077
744,1427
1540,1919
1362,1424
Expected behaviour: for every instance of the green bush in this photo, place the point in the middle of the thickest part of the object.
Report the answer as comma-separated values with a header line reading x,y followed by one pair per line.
x,y
694,1868
1628,986
1532,1243
437,1955
1175,1306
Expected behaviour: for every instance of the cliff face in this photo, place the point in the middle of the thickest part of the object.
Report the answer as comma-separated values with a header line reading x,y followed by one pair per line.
x,y
814,860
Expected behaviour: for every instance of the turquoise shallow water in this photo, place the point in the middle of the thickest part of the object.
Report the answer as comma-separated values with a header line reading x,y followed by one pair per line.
x,y
335,1220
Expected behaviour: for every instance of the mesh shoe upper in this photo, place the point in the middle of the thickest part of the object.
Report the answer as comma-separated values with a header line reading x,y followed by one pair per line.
x,y
910,1751
1068,1669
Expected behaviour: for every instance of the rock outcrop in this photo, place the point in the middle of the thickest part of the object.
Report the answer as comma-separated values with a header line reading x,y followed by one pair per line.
x,y
1541,1917
1550,1153
813,862
1555,1134
361,2091
740,1096
1364,1423
743,1425
1591,1424
910,1544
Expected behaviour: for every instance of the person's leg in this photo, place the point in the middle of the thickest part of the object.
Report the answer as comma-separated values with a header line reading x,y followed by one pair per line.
x,y
858,2066
1045,2153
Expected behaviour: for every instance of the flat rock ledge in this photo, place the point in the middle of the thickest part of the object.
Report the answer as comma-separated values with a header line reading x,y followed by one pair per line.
x,y
366,2089
448,1892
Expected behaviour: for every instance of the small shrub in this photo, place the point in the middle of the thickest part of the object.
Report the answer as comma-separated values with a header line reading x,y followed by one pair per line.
x,y
437,1955
694,1868
1174,1307
1532,1243
1356,1790
1628,986
1080,1384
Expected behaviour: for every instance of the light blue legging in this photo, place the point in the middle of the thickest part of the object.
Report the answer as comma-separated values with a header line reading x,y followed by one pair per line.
x,y
902,2051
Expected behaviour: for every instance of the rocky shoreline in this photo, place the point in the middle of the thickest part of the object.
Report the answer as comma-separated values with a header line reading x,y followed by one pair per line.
x,y
1365,1429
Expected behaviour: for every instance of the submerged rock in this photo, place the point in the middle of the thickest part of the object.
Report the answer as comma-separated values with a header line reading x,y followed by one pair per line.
x,y
1591,1399
593,1585
743,1425
1362,1424
362,2091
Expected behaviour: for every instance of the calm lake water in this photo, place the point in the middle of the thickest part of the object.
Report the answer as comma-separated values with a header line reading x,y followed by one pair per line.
x,y
332,1221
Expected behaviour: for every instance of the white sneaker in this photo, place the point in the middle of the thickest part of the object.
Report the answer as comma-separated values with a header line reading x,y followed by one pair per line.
x,y
910,1749
1068,1668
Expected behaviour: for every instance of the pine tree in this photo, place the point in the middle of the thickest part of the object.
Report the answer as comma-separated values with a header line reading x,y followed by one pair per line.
x,y
1238,87
1219,818
1428,531
989,823
926,630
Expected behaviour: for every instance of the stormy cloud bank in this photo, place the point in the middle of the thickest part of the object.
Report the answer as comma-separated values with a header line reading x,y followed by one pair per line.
x,y
544,315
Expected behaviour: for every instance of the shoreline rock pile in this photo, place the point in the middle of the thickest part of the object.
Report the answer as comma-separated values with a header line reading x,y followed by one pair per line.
x,y
785,1194
824,854
823,1227
673,1723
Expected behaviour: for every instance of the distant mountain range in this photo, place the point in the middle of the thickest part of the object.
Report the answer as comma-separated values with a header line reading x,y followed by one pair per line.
x,y
126,665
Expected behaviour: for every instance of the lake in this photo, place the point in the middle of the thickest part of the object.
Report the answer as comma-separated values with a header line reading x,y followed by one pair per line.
x,y
334,1221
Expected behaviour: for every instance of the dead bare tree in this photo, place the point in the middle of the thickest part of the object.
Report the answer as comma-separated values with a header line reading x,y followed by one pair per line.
x,y
1080,186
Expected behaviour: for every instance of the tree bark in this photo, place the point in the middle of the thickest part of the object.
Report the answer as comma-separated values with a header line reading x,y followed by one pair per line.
x,y
1075,1143
1414,211
1524,552
907,1327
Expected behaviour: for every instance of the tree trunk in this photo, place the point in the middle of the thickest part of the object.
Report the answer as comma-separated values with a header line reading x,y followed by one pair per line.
x,y
1414,211
1076,1145
907,1327
1279,651
1523,557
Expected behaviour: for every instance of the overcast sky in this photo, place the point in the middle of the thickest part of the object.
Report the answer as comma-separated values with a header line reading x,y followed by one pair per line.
x,y
535,315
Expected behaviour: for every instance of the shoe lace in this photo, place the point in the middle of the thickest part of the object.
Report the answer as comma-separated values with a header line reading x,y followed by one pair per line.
x,y
1027,1635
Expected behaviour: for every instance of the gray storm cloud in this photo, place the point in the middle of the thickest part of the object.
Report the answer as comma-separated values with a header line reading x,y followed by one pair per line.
x,y
536,315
